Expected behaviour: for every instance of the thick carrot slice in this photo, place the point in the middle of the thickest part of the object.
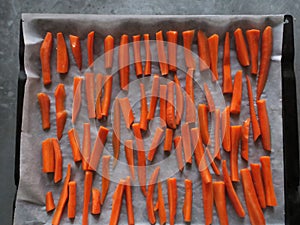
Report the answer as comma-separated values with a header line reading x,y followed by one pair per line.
x,y
217,134
116,131
168,140
237,205
161,205
99,85
188,37
76,98
144,109
220,201
124,62
241,48
208,202
190,114
136,40
162,59
227,83
128,146
163,104
90,48
58,161
75,144
129,206
88,181
186,140
127,111
178,148
203,122
188,200
172,199
86,146
264,124
89,90
62,199
266,53
62,59
245,139
212,162
179,100
49,202
48,156
172,37
203,51
254,211
107,95
149,199
155,142
44,102
108,51
253,42
45,56
226,137
154,96
117,203
60,96
72,200
96,206
209,98
213,44
258,184
76,50
61,119
105,177
235,142
235,106
254,121
170,117
147,68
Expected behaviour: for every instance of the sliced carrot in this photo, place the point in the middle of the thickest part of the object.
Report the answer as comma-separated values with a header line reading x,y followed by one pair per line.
x,y
60,96
117,203
124,62
105,177
76,81
186,140
155,142
217,135
45,56
48,156
149,199
170,111
116,131
172,199
76,50
227,83
44,102
107,95
209,98
86,146
241,48
99,85
128,146
62,59
245,139
147,68
235,142
75,144
154,96
188,200
226,137
49,202
96,206
61,119
208,202
72,200
127,111
203,122
265,59
212,162
254,211
178,148
213,44
109,51
88,181
168,140
220,201
136,40
144,108
179,100
76,98
264,124
258,184
163,104
172,37
129,206
162,59
235,105
58,161
253,43
203,51
90,48
161,205
190,114
89,91
188,37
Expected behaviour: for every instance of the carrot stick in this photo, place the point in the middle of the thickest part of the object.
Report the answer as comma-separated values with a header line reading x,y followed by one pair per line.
x,y
155,142
76,98
162,59
178,148
99,85
254,211
117,203
268,181
172,37
190,115
147,68
203,51
48,157
89,89
226,137
186,140
90,48
129,206
96,207
179,100
76,50
61,119
105,177
108,51
188,37
57,160
188,200
62,199
49,202
161,205
212,162
116,131
98,148
45,56
141,157
241,48
253,42
128,147
72,200
170,117
75,144
213,44
264,124
124,62
172,199
88,180
149,199
163,104
254,121
237,205
168,140
235,141
258,184
62,59
217,135
144,109
266,52
208,202
76,81
235,106
203,122
44,102
227,83
154,96
86,146
220,201
137,55
245,139
60,96
209,98
127,111
107,95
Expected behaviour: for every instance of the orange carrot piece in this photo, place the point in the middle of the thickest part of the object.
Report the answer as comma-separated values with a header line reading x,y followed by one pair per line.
x,y
62,199
241,48
172,37
212,162
76,50
61,119
179,100
90,89
186,140
75,144
162,59
213,44
172,199
209,98
99,85
203,122
127,111
220,201
178,148
45,56
266,53
90,48
86,146
49,202
44,102
109,51
161,205
128,146
226,137
149,198
217,135
72,200
129,206
188,37
227,83
168,140
188,200
237,205
88,181
60,96
136,40
107,95
147,68
264,124
190,114
245,139
154,96
254,211
144,108
235,106
253,43
254,121
203,51
170,111
208,202
116,131
155,142
48,156
105,177
76,98
258,184
76,81
96,206
57,161
124,62
163,104
62,59
235,141
117,203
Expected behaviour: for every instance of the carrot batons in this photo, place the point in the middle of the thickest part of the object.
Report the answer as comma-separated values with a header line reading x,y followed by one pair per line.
x,y
45,56
162,59
178,148
75,144
127,111
90,48
163,104
235,106
172,37
208,202
188,37
58,161
76,97
72,199
128,146
253,43
155,142
188,200
190,114
88,181
235,132
116,131
154,97
203,122
137,55
226,137
170,111
49,202
172,199
209,98
213,43
86,146
99,85
168,140
220,201
264,124
76,50
129,206
105,177
186,140
258,184
227,83
245,139
44,102
61,113
161,205
61,119
117,203
144,108
149,197
179,100
107,95
62,59
108,51
241,48
203,51
48,157
90,89
96,206
217,134
147,68
124,62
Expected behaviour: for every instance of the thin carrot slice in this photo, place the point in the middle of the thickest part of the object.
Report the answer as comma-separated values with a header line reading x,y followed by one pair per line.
x,y
163,104
209,98
258,184
105,177
89,90
72,200
117,203
190,114
172,37
124,62
144,108
178,148
96,206
60,96
48,156
241,48
62,59
61,119
116,132
245,139
58,161
217,135
203,122
107,95
127,111
220,201
99,85
226,136
179,100
154,96
155,142
235,106
136,40
235,142
86,146
208,202
129,206
186,140
162,59
109,51
90,48
227,83
75,144
203,51
147,68
76,81
188,37
161,205
49,202
76,98
44,102
76,50
213,44
253,43
188,200
264,124
170,117
172,199
149,198
128,146
168,140
212,162
45,56
88,181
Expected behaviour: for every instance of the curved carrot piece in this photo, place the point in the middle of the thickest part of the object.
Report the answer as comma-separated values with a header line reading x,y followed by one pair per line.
x,y
226,139
147,68
245,139
213,44
76,50
75,144
116,131
155,142
144,109
76,98
107,95
212,162
168,140
127,111
88,181
96,206
188,37
235,141
60,96
172,199
235,105
129,206
45,56
149,199
203,122
179,100
163,104
258,184
128,146
90,48
124,62
136,39
186,140
170,117
86,146
203,51
62,59
117,203
162,59
253,42
57,160
99,85
208,202
49,202
154,96
61,119
108,51
227,83
217,135
190,114
188,200
90,89
209,98
264,124
178,148
105,177
72,200
44,102
161,205
266,53
220,201
172,37
241,48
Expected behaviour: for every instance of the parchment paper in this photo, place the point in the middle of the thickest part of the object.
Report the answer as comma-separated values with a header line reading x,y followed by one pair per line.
x,y
30,205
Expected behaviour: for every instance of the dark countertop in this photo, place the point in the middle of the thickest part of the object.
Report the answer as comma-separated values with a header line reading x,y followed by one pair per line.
x,y
10,14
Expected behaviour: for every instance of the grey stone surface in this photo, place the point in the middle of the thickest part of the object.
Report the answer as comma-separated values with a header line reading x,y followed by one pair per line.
x,y
10,13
